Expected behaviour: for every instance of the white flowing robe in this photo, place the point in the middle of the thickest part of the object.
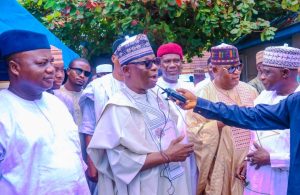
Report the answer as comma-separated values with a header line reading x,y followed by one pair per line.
x,y
181,122
121,142
93,99
39,147
270,179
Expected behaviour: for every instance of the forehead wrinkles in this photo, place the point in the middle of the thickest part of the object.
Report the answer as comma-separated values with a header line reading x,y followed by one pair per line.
x,y
170,56
269,68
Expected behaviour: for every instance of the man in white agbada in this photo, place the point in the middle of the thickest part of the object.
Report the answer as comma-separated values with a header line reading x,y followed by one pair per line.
x,y
136,145
171,56
39,146
269,157
92,101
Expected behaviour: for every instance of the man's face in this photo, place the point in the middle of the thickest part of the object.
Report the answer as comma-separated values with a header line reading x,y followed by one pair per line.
x,y
171,66
271,77
139,78
228,78
59,75
35,70
77,73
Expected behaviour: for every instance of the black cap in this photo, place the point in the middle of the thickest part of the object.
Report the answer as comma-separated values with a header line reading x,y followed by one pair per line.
x,y
117,43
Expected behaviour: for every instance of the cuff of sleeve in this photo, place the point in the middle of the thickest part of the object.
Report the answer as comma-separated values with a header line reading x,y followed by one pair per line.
x,y
279,160
201,105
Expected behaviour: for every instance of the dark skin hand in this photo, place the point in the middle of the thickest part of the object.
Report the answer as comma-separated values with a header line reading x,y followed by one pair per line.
x,y
91,171
260,157
241,171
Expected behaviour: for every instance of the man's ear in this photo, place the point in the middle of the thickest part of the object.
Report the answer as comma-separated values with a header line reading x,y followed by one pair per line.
x,y
68,71
125,70
285,73
113,58
14,67
214,69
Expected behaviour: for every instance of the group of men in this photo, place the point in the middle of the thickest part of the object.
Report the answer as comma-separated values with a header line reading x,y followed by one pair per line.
x,y
121,135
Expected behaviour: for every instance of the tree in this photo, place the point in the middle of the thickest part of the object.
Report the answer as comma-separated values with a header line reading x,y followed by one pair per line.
x,y
195,24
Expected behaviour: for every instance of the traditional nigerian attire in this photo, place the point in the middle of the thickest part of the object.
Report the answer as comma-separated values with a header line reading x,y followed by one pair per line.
x,y
270,179
257,84
39,147
170,48
219,153
199,86
75,96
283,115
66,99
93,99
181,115
130,127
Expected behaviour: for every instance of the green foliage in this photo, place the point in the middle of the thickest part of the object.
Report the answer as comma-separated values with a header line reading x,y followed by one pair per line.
x,y
195,24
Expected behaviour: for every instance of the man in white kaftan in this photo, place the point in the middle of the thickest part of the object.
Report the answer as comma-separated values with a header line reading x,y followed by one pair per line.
x,y
94,98
272,178
125,136
134,143
39,146
92,101
171,55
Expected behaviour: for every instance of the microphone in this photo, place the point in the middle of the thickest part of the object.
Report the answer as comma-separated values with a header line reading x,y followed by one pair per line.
x,y
173,94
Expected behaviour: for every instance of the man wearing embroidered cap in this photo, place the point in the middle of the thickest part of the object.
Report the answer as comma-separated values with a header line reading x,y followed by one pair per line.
x,y
270,154
136,146
221,148
39,145
256,82
283,115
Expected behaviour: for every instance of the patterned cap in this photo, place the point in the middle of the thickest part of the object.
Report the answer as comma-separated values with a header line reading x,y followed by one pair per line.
x,y
57,55
282,57
224,54
134,48
259,57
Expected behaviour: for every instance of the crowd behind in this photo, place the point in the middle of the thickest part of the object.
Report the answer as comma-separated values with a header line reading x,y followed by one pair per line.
x,y
66,131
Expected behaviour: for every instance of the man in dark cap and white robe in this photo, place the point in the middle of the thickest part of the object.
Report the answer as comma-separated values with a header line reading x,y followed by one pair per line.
x,y
39,144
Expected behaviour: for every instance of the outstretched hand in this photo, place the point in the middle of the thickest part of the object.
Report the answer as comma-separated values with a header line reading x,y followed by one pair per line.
x,y
190,97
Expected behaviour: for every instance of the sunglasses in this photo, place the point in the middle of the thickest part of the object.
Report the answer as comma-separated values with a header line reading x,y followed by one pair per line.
x,y
79,71
148,63
232,69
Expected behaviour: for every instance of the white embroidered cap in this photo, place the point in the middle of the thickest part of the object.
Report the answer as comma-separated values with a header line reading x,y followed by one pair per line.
x,y
282,57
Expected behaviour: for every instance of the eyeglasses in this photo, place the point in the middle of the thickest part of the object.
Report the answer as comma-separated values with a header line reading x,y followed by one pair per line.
x,y
148,63
79,71
232,69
